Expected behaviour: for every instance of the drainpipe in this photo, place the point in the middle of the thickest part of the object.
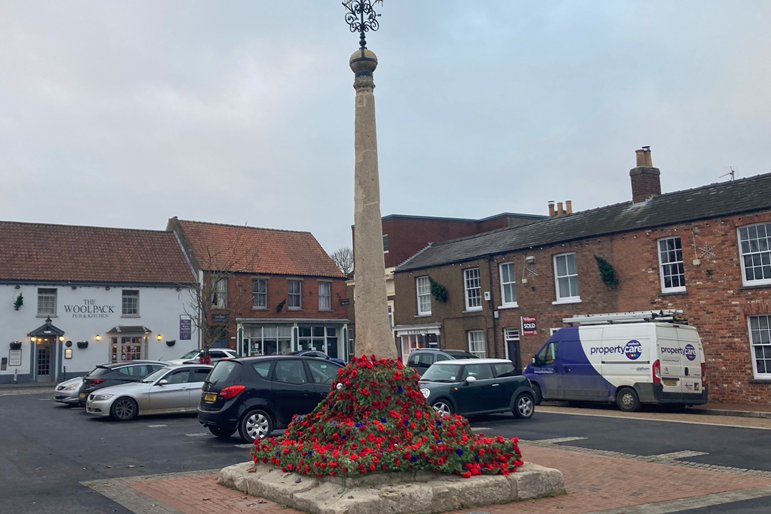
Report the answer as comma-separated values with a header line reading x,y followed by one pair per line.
x,y
492,305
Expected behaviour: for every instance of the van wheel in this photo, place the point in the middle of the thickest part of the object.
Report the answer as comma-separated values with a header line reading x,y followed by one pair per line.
x,y
627,400
524,407
538,396
256,424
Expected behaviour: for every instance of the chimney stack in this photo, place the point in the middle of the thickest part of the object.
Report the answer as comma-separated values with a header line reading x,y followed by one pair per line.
x,y
646,180
551,208
568,206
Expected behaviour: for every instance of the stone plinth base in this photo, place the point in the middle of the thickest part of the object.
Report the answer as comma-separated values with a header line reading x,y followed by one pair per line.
x,y
391,493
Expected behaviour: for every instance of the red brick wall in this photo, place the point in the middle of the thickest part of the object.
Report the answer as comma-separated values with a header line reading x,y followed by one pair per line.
x,y
715,302
406,237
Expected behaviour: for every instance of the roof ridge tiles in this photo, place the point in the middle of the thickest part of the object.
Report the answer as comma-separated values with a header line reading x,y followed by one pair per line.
x,y
31,223
244,226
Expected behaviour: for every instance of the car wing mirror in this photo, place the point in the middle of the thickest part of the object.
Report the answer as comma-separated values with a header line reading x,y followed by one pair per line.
x,y
533,361
471,380
162,382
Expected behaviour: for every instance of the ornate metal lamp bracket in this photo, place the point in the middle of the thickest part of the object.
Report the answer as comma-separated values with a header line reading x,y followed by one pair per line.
x,y
361,17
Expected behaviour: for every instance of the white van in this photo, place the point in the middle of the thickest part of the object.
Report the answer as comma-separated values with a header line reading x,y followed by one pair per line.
x,y
621,358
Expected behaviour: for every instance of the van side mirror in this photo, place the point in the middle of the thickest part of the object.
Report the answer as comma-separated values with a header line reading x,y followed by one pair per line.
x,y
471,380
533,361
162,382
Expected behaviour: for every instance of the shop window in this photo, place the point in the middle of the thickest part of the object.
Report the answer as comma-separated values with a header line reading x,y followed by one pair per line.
x,y
295,294
473,289
671,268
270,340
130,303
325,296
46,302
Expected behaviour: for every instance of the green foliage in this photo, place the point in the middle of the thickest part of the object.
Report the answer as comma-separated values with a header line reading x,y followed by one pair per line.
x,y
19,302
438,290
607,271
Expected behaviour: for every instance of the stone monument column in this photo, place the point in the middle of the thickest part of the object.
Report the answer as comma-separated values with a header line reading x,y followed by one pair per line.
x,y
373,334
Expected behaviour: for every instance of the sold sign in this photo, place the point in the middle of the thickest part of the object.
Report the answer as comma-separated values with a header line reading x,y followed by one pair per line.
x,y
529,327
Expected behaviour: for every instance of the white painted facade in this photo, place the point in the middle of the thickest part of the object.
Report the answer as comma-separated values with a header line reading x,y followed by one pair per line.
x,y
94,314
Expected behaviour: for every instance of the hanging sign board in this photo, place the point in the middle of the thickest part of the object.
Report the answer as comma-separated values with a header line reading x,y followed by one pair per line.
x,y
185,328
529,326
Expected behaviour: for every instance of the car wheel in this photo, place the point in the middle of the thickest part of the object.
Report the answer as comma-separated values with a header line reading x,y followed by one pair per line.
x,y
124,409
256,424
627,400
538,396
220,432
524,406
442,407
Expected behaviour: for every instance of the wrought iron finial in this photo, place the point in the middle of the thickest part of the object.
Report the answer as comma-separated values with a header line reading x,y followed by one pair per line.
x,y
361,17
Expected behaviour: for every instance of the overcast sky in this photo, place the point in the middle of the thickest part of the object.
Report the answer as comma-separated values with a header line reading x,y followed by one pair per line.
x,y
126,113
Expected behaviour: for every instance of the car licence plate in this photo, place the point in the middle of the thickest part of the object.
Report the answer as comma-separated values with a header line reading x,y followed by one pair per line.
x,y
210,397
82,395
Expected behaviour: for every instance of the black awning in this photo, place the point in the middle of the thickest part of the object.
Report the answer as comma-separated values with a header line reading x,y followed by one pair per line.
x,y
47,329
129,329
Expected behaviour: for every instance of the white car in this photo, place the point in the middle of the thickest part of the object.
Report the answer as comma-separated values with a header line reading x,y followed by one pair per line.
x,y
67,392
215,354
167,390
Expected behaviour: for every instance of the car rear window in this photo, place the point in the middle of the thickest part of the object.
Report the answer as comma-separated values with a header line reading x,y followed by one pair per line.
x,y
505,369
224,371
98,372
262,368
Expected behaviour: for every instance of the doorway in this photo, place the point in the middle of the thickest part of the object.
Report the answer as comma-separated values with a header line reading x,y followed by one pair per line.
x,y
44,357
511,339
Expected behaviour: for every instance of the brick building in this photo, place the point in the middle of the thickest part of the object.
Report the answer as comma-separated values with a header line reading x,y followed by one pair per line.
x,y
272,291
706,251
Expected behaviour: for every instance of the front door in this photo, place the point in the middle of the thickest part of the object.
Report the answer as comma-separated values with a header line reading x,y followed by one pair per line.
x,y
44,362
511,335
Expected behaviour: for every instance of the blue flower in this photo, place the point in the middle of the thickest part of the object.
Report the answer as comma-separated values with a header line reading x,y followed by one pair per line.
x,y
334,423
476,458
310,452
343,436
400,389
382,420
459,451
406,422
357,425
438,422
438,441
414,458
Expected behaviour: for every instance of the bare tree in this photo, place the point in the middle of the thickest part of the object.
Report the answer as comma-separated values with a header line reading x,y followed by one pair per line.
x,y
343,257
220,293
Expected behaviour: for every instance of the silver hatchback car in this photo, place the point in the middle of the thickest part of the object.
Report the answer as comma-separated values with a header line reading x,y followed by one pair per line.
x,y
167,390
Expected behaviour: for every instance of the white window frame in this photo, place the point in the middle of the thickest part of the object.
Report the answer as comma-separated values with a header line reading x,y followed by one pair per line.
x,y
466,289
565,299
766,346
385,243
298,294
511,335
134,294
759,252
423,292
663,265
328,296
257,294
220,293
474,342
512,283
47,295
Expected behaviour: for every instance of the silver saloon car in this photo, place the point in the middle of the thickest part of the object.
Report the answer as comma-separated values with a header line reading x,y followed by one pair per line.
x,y
67,392
167,390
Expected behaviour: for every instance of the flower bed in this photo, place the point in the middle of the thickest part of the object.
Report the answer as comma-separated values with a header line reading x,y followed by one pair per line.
x,y
376,420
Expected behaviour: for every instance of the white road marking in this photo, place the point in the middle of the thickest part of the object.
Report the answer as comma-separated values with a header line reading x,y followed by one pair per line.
x,y
677,455
247,445
694,502
157,426
560,440
200,434
479,429
651,419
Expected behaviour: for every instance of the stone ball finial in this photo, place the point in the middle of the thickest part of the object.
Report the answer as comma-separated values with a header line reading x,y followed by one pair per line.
x,y
363,62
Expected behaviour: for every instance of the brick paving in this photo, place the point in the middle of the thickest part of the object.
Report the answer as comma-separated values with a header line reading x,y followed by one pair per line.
x,y
593,482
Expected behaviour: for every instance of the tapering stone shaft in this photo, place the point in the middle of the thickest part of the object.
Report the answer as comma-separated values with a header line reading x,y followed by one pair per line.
x,y
373,334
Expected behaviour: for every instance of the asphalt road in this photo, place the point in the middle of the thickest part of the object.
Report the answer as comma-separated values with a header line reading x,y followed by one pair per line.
x,y
46,450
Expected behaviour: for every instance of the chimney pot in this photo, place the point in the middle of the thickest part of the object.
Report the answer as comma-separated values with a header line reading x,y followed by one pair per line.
x,y
551,208
560,212
569,206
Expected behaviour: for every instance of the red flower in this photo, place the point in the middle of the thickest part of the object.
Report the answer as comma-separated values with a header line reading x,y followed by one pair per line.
x,y
467,474
397,375
353,457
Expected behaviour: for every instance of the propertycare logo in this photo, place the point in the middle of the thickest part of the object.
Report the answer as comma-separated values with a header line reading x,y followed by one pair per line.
x,y
633,349
689,351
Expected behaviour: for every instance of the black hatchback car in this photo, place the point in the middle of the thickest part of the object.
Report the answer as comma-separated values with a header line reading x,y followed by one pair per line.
x,y
257,395
106,375
421,360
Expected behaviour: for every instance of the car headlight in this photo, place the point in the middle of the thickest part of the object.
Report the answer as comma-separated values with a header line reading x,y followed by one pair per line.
x,y
426,392
72,387
102,397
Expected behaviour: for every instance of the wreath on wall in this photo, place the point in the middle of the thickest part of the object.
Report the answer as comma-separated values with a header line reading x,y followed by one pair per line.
x,y
19,302
280,305
607,271
438,290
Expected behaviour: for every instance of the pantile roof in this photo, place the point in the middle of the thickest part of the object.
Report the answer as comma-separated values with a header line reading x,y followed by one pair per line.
x,y
66,253
711,201
256,250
